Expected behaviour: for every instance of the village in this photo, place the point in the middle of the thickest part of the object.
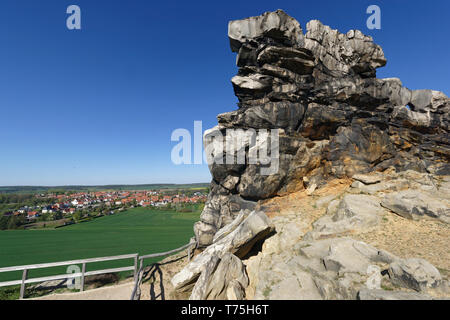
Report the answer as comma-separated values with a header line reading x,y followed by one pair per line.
x,y
103,202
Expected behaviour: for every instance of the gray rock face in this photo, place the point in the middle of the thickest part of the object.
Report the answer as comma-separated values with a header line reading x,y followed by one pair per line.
x,y
334,117
343,53
271,115
416,274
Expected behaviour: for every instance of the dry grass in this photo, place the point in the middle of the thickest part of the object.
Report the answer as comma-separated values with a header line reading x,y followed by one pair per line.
x,y
428,239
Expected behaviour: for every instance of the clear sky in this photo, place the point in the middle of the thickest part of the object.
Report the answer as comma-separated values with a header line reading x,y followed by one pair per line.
x,y
98,105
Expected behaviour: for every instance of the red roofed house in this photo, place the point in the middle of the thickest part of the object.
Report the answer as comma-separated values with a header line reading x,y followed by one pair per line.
x,y
32,215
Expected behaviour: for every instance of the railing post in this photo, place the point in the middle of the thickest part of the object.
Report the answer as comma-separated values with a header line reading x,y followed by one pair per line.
x,y
83,270
136,294
22,286
135,268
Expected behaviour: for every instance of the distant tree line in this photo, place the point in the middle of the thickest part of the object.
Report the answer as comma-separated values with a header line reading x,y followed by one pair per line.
x,y
12,222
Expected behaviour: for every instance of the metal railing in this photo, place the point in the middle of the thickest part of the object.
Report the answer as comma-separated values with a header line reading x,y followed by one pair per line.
x,y
81,274
135,294
138,273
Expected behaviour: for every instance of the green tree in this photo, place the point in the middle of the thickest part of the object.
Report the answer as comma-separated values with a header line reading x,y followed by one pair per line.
x,y
77,215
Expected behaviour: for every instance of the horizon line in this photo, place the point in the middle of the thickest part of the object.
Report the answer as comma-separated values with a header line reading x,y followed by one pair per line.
x,y
102,185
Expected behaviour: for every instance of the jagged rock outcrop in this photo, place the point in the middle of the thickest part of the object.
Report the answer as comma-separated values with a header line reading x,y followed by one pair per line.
x,y
328,117
334,117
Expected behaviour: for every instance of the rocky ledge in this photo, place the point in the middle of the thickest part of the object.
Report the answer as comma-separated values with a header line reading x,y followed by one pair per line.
x,y
385,147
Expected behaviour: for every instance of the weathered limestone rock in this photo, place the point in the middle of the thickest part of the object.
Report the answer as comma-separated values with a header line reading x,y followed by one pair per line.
x,y
333,119
368,179
277,26
353,212
349,256
221,209
416,274
335,268
230,227
222,279
235,291
268,116
199,292
240,241
333,49
414,204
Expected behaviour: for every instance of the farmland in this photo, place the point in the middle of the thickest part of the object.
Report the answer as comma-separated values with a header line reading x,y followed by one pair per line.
x,y
138,230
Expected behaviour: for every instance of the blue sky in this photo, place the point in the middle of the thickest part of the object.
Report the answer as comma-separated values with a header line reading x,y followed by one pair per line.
x,y
98,105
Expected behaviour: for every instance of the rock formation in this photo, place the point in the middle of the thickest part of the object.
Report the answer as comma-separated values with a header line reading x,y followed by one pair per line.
x,y
334,119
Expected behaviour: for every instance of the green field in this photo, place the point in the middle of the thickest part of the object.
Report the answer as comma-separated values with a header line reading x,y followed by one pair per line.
x,y
138,230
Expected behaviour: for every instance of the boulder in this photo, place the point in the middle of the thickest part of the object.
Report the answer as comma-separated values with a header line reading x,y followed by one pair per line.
x,y
416,274
415,204
353,212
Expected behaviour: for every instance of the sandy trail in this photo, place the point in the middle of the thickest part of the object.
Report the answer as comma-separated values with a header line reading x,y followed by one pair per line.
x,y
116,292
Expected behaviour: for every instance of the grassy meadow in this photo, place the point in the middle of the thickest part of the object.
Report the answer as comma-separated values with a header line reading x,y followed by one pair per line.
x,y
138,230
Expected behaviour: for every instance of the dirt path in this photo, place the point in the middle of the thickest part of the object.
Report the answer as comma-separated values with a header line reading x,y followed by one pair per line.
x,y
156,284
116,292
